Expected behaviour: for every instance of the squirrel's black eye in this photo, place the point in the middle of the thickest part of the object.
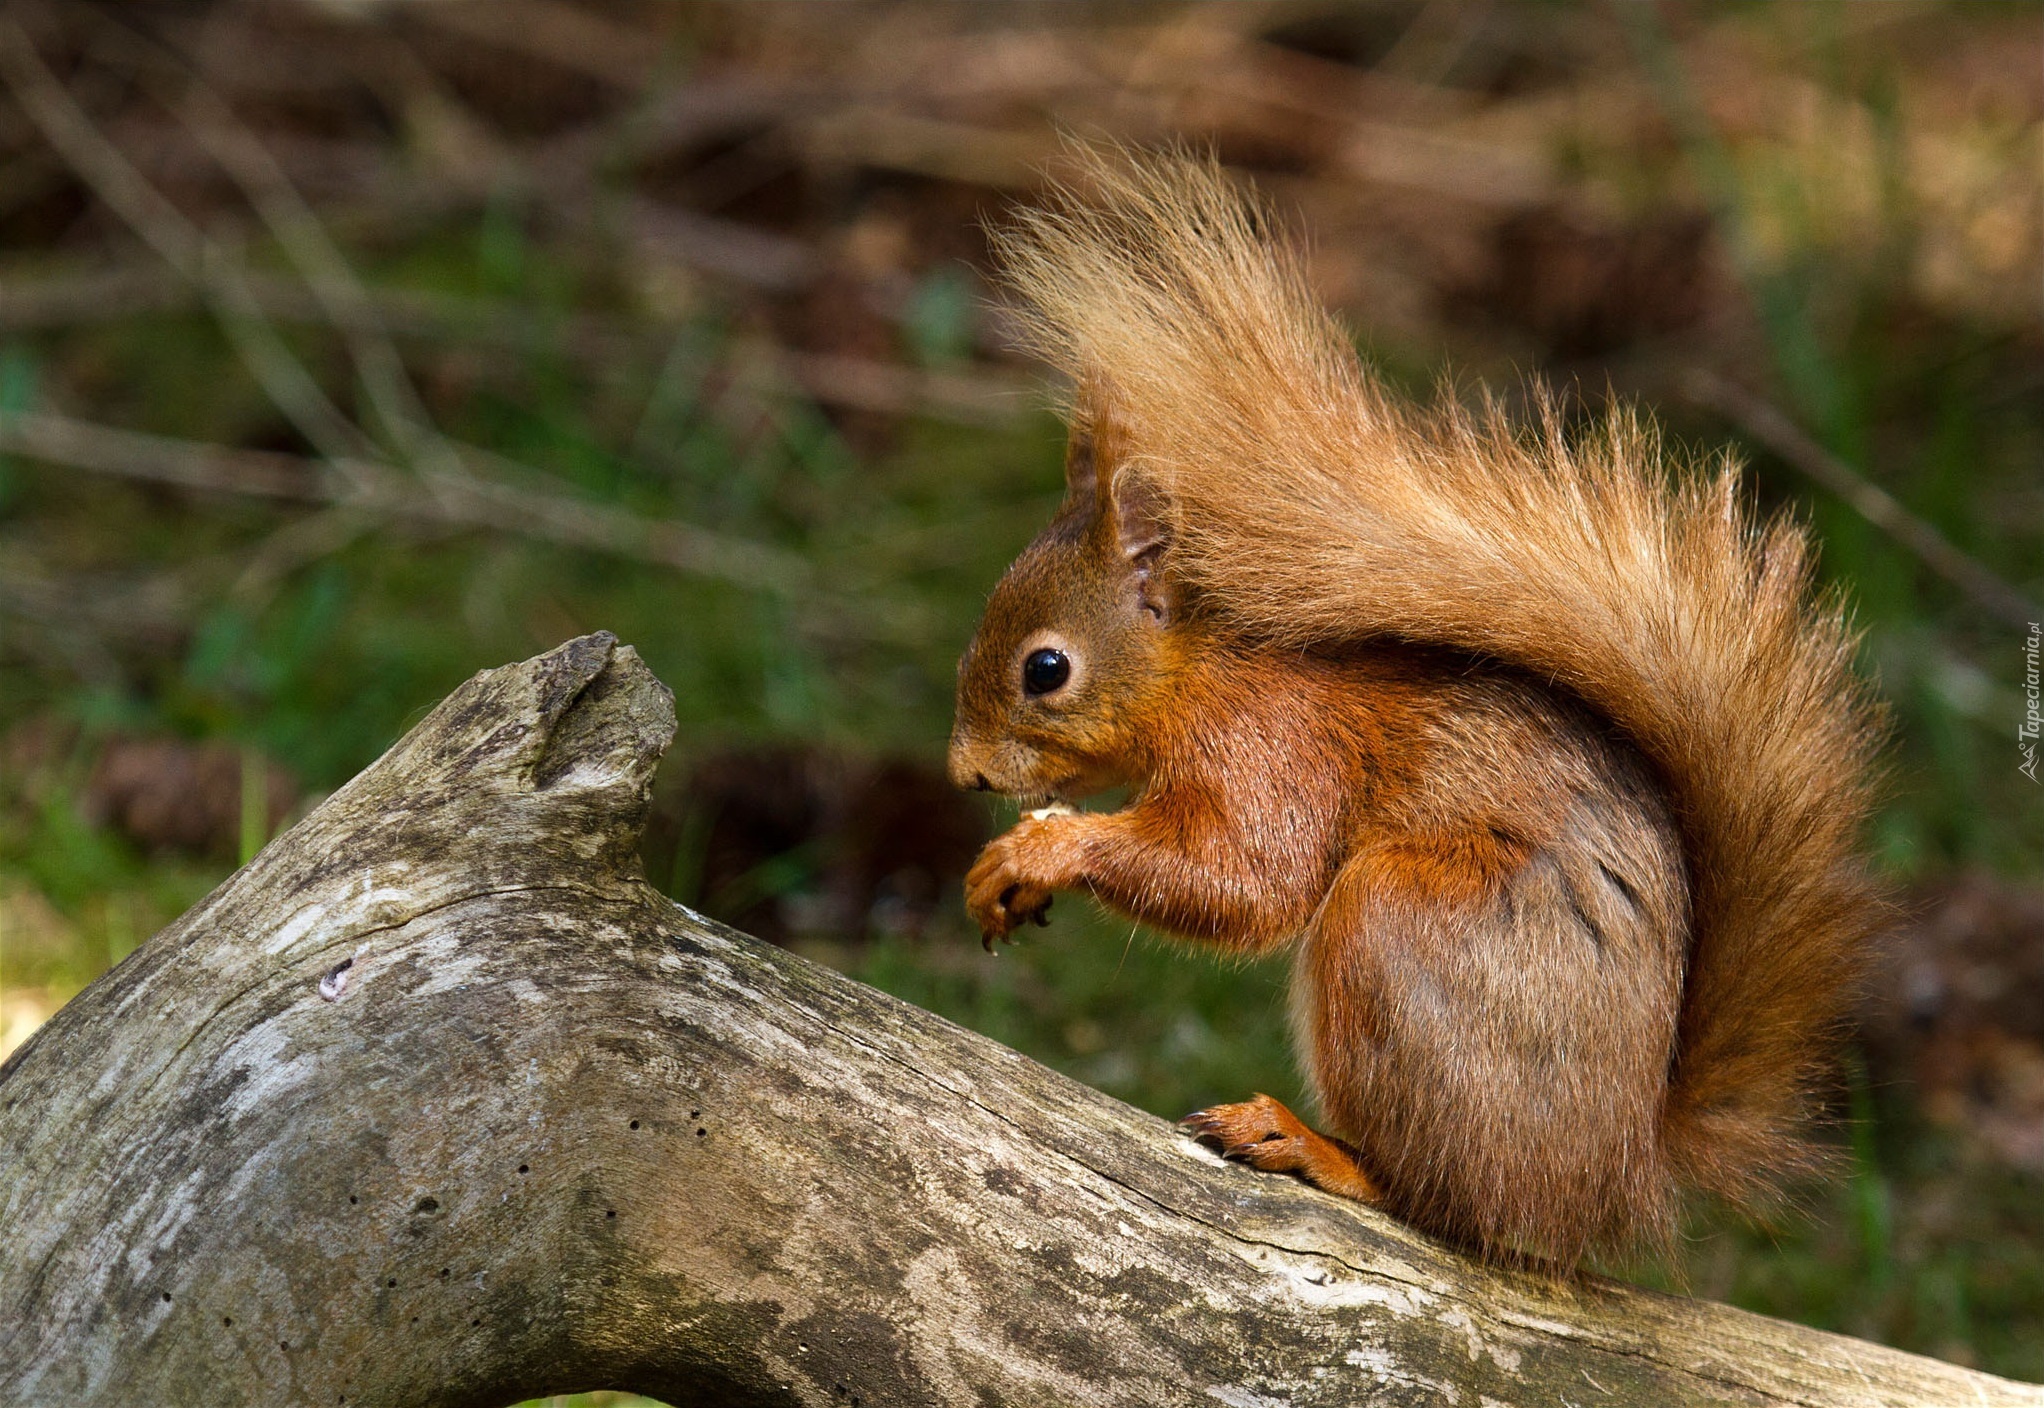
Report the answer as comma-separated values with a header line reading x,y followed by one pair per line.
x,y
1045,670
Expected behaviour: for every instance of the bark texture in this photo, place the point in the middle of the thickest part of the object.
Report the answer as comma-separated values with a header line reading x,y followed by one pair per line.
x,y
435,1102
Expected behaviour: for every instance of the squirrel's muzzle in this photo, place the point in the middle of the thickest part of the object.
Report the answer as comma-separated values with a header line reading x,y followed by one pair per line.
x,y
966,769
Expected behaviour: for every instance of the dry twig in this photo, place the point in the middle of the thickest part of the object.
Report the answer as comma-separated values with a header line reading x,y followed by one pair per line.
x,y
180,244
340,293
1767,424
974,396
372,487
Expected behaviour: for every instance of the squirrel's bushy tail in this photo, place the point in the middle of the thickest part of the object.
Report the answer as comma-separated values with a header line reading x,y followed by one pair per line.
x,y
1312,509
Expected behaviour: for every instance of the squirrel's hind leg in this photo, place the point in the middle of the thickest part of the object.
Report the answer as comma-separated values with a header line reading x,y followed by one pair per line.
x,y
1264,1134
1492,1025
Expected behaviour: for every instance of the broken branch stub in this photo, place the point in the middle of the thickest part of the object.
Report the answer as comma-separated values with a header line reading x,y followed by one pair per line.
x,y
435,1102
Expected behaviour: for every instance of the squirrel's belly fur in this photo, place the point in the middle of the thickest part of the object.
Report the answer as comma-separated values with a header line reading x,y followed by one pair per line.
x,y
1578,919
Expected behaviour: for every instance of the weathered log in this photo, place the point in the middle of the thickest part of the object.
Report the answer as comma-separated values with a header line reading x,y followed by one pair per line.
x,y
436,1102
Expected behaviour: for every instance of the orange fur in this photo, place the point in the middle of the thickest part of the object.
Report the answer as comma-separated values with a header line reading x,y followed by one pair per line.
x,y
1299,771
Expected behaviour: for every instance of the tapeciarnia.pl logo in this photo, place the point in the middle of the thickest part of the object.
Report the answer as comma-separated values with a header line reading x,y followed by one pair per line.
x,y
2033,717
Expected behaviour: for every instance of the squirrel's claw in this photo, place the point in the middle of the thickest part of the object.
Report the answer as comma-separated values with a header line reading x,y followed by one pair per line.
x,y
1013,917
1008,888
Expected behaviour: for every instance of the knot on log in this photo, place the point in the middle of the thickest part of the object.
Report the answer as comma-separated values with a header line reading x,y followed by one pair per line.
x,y
436,1102
556,754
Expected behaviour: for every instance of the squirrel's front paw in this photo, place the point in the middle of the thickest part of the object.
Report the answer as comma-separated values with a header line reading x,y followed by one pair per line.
x,y
1011,882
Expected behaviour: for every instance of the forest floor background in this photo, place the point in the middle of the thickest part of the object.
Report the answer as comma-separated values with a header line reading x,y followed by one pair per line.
x,y
348,349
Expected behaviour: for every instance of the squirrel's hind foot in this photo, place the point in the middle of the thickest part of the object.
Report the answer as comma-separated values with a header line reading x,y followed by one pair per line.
x,y
1264,1134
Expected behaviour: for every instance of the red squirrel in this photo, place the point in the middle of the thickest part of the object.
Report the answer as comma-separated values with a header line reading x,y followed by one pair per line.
x,y
1542,754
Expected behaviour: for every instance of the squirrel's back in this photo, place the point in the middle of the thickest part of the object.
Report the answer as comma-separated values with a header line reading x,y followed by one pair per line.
x,y
1309,509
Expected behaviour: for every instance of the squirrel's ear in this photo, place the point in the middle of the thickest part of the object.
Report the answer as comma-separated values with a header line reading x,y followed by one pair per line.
x,y
1142,517
1142,530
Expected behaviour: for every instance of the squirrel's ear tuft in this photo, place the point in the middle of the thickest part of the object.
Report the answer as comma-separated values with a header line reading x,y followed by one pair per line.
x,y
1082,475
1098,445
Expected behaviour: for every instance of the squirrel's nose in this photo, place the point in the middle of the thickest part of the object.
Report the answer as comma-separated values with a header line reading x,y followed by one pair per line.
x,y
964,768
